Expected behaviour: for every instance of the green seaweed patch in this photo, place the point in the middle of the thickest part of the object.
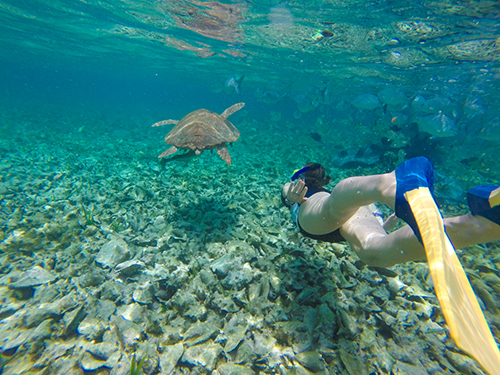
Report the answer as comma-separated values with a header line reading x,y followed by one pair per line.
x,y
136,368
116,226
88,215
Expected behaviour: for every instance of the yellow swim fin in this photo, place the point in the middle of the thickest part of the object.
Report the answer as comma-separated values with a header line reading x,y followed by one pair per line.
x,y
468,326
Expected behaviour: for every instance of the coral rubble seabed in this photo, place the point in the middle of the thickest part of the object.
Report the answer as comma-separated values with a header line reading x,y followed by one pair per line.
x,y
108,255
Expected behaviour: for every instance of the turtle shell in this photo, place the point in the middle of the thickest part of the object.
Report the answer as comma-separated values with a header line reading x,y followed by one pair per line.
x,y
202,130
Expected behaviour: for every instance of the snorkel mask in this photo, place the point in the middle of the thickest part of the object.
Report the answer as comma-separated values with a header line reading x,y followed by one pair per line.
x,y
298,172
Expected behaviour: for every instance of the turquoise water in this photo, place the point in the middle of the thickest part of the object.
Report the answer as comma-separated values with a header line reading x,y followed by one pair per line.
x,y
359,86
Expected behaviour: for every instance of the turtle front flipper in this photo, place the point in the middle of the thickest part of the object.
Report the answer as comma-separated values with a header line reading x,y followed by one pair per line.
x,y
224,153
235,107
170,151
164,122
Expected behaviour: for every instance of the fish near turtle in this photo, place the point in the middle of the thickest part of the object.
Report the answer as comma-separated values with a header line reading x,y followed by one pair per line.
x,y
202,130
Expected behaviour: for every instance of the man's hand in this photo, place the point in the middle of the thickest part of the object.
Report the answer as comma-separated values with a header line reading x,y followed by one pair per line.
x,y
296,192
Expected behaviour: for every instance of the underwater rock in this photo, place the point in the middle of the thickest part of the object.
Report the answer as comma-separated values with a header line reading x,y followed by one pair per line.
x,y
423,310
234,369
10,309
113,253
101,309
72,319
327,318
366,101
485,293
307,293
311,360
238,278
170,357
429,326
129,267
354,364
183,300
91,328
143,294
132,312
224,264
225,304
245,353
35,316
196,311
235,330
243,249
403,368
34,277
348,322
91,279
90,363
204,355
262,343
35,342
394,285
12,339
199,333
463,363
128,333
105,351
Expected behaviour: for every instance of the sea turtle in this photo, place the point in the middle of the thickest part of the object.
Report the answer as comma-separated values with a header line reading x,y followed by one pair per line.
x,y
203,130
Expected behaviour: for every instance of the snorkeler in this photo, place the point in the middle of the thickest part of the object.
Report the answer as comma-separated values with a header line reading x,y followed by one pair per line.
x,y
343,213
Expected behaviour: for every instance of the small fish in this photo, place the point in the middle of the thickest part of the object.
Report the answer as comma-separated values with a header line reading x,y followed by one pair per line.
x,y
315,136
269,97
233,83
438,126
366,101
392,96
474,107
217,88
491,131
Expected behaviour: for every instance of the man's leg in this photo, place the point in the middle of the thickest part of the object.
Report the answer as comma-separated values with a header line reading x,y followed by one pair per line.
x,y
377,248
326,212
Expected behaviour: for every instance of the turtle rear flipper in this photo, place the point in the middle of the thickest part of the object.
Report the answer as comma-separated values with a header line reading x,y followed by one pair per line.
x,y
170,151
224,153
